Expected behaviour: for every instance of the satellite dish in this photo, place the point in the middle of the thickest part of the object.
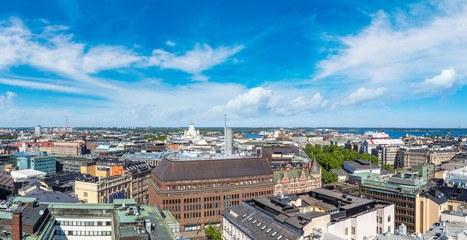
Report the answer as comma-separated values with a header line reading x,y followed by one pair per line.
x,y
41,212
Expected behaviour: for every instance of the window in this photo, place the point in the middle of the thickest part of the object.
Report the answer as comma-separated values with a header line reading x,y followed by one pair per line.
x,y
389,218
353,230
85,194
346,231
389,229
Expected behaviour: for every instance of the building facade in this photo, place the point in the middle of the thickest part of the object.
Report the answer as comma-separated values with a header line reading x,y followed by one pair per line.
x,y
320,214
39,161
133,183
27,218
403,190
386,154
415,157
297,180
65,148
197,190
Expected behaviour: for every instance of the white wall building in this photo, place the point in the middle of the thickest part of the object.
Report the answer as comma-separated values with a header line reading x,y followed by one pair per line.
x,y
454,216
365,225
457,177
361,166
371,144
75,228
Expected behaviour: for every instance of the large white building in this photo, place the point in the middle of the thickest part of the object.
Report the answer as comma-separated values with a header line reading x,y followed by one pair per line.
x,y
192,133
361,166
456,178
320,214
370,144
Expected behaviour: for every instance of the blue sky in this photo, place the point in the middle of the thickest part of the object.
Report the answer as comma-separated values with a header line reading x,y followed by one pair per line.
x,y
264,63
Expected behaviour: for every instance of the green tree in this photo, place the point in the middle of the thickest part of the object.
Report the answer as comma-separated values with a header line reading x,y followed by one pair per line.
x,y
387,167
329,177
152,137
374,159
364,156
212,233
161,137
368,157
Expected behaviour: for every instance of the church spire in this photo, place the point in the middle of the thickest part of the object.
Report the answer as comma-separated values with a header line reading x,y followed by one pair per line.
x,y
314,169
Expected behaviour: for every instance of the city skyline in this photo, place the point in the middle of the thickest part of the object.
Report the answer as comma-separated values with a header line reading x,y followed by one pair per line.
x,y
295,64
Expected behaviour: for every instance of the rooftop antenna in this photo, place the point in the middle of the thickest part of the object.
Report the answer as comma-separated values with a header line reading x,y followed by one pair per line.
x,y
66,123
225,121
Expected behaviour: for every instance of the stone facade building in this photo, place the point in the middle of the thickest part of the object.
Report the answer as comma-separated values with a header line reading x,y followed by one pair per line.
x,y
415,157
133,183
297,180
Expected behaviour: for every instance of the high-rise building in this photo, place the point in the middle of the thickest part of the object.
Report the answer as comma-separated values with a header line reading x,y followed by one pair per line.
x,y
38,130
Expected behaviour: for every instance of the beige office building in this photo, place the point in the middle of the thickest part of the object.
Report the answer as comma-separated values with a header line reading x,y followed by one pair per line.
x,y
133,183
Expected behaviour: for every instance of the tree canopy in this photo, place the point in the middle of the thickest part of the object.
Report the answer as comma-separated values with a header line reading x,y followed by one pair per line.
x,y
333,157
212,233
387,167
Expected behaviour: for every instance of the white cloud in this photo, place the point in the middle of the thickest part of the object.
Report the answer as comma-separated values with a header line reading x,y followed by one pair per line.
x,y
201,58
170,43
301,104
40,85
259,101
363,95
108,57
56,52
7,99
397,55
439,83
8,111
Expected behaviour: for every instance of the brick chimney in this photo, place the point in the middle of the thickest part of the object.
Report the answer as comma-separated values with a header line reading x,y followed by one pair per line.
x,y
17,230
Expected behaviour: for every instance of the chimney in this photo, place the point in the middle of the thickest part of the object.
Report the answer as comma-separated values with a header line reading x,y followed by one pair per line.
x,y
17,223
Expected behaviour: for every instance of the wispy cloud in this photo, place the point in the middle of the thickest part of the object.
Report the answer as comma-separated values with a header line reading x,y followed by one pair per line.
x,y
53,50
395,56
364,95
170,43
195,61
40,85
8,110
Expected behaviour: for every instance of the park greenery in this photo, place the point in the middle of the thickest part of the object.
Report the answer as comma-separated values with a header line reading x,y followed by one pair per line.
x,y
333,157
212,233
153,137
387,167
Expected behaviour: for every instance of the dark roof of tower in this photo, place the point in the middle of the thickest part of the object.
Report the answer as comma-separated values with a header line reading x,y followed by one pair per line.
x,y
314,166
179,170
